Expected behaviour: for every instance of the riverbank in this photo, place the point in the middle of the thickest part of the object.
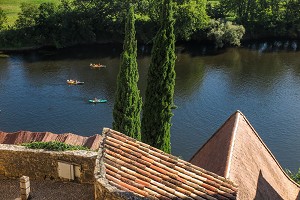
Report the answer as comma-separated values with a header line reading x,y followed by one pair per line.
x,y
260,45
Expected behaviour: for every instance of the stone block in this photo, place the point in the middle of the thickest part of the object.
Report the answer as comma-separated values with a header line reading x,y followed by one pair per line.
x,y
25,187
25,191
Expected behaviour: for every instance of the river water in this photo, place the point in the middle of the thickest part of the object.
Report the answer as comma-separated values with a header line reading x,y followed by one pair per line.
x,y
264,84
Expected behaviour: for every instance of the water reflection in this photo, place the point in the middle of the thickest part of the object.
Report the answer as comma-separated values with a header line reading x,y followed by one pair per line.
x,y
189,75
271,46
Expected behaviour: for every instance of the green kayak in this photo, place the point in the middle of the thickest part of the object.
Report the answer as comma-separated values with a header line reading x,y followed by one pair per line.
x,y
97,100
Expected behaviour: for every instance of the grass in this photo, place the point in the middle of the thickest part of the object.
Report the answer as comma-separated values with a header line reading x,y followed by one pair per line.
x,y
53,146
12,7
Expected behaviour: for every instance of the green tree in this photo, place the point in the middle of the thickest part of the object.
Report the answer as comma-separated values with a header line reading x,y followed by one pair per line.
x,y
225,33
190,17
292,18
157,110
47,22
127,107
3,19
27,17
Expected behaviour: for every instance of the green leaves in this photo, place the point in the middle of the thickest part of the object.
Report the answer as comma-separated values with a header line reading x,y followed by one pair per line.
x,y
190,17
157,110
3,19
127,107
53,146
225,33
27,17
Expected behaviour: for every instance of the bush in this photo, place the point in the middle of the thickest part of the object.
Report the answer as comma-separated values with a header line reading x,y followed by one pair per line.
x,y
53,146
225,33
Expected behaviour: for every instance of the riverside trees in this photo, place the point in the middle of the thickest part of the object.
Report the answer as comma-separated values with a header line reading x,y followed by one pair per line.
x,y
157,109
127,107
78,21
3,19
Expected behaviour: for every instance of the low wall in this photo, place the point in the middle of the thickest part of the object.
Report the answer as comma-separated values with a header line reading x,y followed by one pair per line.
x,y
16,161
104,191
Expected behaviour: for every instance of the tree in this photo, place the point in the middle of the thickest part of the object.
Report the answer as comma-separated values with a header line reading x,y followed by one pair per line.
x,y
46,22
292,18
27,17
190,17
3,19
225,33
157,113
128,103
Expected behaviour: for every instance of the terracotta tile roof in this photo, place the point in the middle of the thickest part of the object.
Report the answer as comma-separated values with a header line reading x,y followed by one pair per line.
x,y
237,152
148,172
20,137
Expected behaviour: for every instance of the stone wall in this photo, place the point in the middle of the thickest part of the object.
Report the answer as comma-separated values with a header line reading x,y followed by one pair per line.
x,y
16,161
104,191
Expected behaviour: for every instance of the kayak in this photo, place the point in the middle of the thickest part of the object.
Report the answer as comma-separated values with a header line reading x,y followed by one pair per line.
x,y
74,82
97,66
98,101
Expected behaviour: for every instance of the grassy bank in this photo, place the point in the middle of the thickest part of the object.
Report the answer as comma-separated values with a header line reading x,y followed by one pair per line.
x,y
12,7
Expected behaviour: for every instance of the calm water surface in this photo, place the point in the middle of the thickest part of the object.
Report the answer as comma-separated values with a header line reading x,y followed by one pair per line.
x,y
265,86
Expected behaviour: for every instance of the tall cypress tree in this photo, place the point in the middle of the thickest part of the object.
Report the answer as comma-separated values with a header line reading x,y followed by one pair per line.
x,y
157,113
127,107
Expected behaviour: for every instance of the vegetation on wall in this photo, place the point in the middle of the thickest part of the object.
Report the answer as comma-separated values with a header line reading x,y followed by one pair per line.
x,y
53,146
128,103
294,176
157,110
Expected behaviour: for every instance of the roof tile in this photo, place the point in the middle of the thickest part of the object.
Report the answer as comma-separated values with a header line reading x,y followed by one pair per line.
x,y
149,172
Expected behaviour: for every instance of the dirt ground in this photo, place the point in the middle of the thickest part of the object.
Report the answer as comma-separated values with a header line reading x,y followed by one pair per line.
x,y
47,190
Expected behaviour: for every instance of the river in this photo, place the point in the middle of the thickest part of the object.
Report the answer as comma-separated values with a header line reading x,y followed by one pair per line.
x,y
264,84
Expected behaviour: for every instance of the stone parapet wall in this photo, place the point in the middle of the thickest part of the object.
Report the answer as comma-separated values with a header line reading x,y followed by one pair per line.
x,y
16,161
104,191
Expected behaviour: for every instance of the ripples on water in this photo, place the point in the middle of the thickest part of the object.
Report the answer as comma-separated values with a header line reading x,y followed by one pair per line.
x,y
263,81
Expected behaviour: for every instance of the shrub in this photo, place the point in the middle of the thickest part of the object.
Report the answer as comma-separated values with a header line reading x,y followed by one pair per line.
x,y
225,33
53,146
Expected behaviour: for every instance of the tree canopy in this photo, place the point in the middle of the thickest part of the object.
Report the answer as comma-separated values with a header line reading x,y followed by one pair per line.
x,y
72,22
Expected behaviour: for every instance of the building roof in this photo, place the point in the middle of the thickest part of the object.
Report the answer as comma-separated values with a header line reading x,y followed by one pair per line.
x,y
136,167
20,137
237,152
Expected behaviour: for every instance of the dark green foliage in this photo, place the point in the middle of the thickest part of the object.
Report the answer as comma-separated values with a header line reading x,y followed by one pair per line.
x,y
80,21
3,19
127,107
53,146
157,113
292,18
294,176
46,22
27,17
190,17
265,18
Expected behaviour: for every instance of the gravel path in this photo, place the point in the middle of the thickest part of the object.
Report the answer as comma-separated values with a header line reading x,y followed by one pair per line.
x,y
47,190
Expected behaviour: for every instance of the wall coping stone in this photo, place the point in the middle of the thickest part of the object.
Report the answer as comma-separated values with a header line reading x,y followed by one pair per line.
x,y
82,153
